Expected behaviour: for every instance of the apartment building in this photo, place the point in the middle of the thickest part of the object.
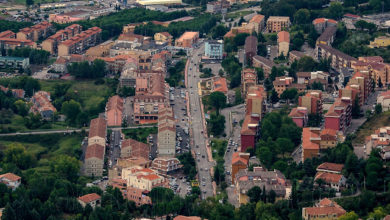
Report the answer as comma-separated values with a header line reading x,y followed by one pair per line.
x,y
308,78
283,83
163,37
69,17
250,48
255,101
295,55
384,100
8,34
300,116
143,178
351,92
381,41
12,43
166,137
339,115
257,22
94,160
269,180
310,143
35,32
361,81
320,24
166,165
114,111
238,30
248,79
214,84
80,42
327,37
312,101
250,131
14,62
380,140
187,39
97,132
100,50
374,68
264,63
330,168
283,43
339,59
52,42
41,104
278,23
332,180
240,161
217,7
135,149
213,49
324,209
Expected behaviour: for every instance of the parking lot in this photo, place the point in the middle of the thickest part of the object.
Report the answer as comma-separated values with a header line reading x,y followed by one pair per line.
x,y
179,105
180,185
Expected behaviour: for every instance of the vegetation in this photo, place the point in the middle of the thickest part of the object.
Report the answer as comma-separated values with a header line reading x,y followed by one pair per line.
x,y
84,70
35,56
13,25
218,147
368,128
189,166
176,74
216,124
233,69
139,134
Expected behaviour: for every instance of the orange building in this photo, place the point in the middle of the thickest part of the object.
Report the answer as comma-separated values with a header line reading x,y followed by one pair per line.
x,y
239,162
187,39
310,143
51,43
36,32
248,79
80,42
278,23
7,34
114,110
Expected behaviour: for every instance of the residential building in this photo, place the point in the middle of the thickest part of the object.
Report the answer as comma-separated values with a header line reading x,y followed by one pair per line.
x,y
94,160
165,165
374,68
35,32
248,79
80,42
258,23
250,131
213,84
97,132
52,42
166,136
17,93
217,7
381,41
384,100
213,49
339,115
92,199
329,138
8,34
42,105
187,39
60,65
283,43
310,143
380,140
330,168
114,111
133,148
139,196
159,2
69,17
362,81
299,115
325,209
143,178
312,101
11,180
163,37
295,55
100,50
308,78
283,83
339,59
115,171
278,23
14,62
332,180
250,48
181,217
264,63
238,30
268,180
11,43
352,92
320,24
255,101
327,37
240,161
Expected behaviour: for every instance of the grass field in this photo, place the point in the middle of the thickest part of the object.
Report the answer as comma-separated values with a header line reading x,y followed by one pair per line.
x,y
238,14
371,125
139,134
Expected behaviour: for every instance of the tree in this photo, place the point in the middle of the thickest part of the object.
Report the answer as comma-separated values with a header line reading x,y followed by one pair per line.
x,y
289,94
216,123
71,109
239,39
306,64
298,41
336,10
356,108
378,108
380,84
274,96
254,194
218,31
302,16
238,97
260,74
66,166
21,107
317,85
217,100
271,196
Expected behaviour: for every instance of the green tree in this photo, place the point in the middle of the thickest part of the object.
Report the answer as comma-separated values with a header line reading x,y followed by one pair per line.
x,y
306,64
217,100
378,108
260,74
21,107
302,16
254,194
356,108
289,94
238,98
218,31
66,166
216,124
16,154
274,96
336,10
71,109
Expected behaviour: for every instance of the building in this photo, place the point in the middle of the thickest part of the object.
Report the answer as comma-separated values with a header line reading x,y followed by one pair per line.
x,y
80,42
339,115
332,180
283,83
139,196
166,137
187,39
384,100
52,42
35,32
166,165
264,63
182,217
250,48
213,84
381,41
213,49
238,30
269,180
159,2
325,209
163,37
327,37
42,105
11,180
14,62
308,78
133,148
248,79
278,23
380,140
94,160
60,65
299,115
250,131
8,34
143,178
283,43
217,7
97,132
295,55
240,161
11,43
255,101
100,50
17,93
329,138
312,101
310,143
258,23
339,59
92,199
114,110
330,168
320,24
69,17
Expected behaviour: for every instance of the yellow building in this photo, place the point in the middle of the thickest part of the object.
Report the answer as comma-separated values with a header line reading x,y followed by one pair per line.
x,y
142,178
382,41
163,37
326,209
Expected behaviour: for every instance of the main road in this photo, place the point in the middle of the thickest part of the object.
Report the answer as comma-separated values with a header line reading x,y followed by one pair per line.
x,y
196,122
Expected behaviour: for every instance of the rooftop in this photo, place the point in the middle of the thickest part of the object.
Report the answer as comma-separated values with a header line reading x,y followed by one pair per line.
x,y
89,197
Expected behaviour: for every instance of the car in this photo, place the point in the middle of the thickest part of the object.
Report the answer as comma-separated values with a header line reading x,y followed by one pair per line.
x,y
198,160
206,169
228,150
201,169
203,156
203,184
197,146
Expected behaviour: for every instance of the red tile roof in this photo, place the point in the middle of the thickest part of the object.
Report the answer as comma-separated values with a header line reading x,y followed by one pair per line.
x,y
89,198
138,149
284,36
257,19
98,128
10,176
322,20
95,150
181,217
331,167
307,136
329,177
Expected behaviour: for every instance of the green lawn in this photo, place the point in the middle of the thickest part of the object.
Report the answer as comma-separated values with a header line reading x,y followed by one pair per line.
x,y
371,125
238,14
218,147
139,134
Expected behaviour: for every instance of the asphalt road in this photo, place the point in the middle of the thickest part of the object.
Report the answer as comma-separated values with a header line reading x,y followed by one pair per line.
x,y
196,123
